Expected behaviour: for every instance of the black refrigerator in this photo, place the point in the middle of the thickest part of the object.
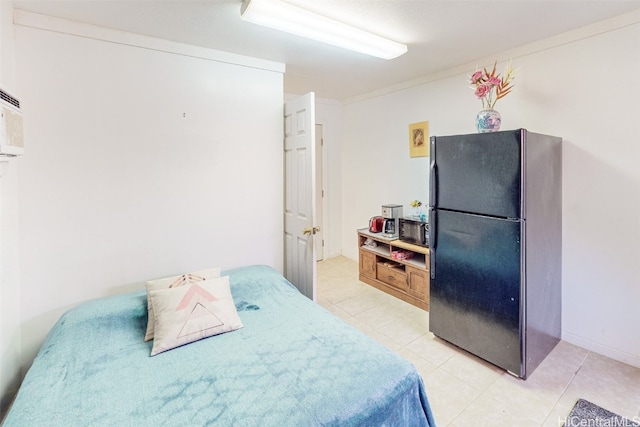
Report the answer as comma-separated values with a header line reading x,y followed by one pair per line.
x,y
495,214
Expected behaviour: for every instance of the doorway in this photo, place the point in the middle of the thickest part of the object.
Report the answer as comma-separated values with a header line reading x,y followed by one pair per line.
x,y
319,237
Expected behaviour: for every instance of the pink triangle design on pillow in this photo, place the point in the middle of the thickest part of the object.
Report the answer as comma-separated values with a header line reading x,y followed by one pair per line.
x,y
194,291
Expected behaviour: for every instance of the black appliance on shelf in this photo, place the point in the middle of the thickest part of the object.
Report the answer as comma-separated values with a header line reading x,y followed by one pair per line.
x,y
495,215
413,230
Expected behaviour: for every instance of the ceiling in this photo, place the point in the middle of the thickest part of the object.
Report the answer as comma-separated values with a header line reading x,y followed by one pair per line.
x,y
440,34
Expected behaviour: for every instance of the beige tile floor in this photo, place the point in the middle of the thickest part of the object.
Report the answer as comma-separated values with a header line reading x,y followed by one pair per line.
x,y
464,390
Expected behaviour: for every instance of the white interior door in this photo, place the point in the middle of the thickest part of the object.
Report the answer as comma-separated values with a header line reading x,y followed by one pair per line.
x,y
299,197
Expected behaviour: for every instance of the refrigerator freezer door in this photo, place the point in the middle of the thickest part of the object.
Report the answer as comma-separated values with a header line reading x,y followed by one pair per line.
x,y
476,286
478,173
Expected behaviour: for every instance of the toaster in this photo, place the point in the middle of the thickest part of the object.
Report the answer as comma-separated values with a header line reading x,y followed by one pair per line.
x,y
376,224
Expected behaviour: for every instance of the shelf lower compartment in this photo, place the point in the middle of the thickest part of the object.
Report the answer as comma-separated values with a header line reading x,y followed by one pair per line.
x,y
395,292
392,274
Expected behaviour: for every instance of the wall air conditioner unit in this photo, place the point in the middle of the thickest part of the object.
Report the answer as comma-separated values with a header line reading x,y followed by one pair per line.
x,y
11,141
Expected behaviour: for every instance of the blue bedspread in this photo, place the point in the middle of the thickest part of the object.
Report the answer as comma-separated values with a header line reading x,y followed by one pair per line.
x,y
293,364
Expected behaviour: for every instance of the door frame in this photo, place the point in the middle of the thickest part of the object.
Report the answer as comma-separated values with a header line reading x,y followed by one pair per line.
x,y
320,196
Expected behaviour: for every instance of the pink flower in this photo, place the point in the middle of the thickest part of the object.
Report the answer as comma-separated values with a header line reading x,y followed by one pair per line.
x,y
489,86
482,90
476,77
494,81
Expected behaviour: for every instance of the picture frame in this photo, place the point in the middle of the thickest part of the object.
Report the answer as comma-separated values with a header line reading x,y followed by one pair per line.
x,y
419,139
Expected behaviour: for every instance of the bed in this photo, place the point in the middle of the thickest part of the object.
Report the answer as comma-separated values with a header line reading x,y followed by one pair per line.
x,y
291,364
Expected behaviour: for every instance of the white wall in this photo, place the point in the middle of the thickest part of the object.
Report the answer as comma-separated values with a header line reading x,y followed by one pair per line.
x,y
9,253
581,86
139,164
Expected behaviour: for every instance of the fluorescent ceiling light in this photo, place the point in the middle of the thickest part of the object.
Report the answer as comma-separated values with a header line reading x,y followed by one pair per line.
x,y
295,20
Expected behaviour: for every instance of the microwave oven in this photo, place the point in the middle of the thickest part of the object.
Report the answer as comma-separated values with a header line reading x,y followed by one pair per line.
x,y
414,231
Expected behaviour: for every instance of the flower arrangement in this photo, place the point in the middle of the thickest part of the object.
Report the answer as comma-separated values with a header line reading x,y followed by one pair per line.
x,y
418,213
490,87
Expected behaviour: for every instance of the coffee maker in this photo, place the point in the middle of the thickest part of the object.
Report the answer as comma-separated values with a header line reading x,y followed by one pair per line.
x,y
391,214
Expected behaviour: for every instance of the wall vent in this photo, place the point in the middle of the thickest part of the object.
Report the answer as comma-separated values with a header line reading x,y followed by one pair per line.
x,y
11,133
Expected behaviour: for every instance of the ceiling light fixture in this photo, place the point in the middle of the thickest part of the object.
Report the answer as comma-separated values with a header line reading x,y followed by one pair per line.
x,y
296,20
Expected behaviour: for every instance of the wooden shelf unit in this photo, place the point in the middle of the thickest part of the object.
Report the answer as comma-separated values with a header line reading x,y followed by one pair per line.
x,y
405,279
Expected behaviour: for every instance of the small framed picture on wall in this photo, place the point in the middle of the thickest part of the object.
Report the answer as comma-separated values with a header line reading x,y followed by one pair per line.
x,y
419,139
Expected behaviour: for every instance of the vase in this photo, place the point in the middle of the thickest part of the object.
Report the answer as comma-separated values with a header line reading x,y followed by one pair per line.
x,y
488,120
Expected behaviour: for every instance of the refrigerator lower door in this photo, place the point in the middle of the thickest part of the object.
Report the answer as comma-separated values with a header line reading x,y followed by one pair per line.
x,y
476,286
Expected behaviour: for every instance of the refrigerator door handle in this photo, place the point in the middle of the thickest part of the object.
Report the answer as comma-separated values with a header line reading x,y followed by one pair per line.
x,y
433,242
433,180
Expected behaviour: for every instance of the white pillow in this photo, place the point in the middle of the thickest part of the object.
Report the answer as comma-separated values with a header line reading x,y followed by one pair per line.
x,y
189,313
172,282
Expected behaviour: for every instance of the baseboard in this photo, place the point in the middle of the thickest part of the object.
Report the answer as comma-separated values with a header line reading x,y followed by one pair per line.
x,y
610,352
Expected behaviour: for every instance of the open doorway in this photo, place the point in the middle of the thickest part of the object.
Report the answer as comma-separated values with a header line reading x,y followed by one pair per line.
x,y
319,237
